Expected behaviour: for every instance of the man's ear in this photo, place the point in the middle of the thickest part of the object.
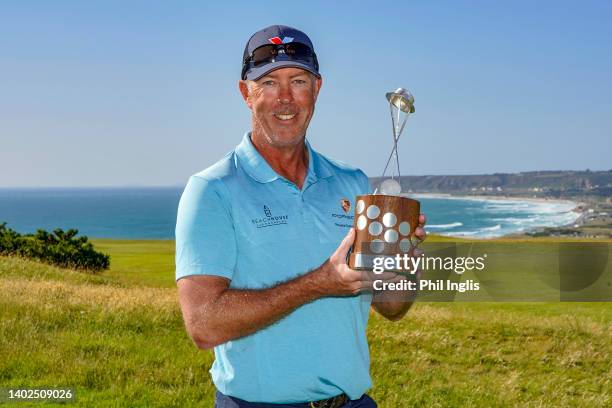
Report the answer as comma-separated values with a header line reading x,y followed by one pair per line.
x,y
244,91
318,84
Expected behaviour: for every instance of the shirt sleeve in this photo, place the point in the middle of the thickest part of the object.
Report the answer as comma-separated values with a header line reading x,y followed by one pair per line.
x,y
205,236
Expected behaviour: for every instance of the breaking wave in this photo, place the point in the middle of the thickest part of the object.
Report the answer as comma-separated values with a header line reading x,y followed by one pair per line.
x,y
490,218
451,225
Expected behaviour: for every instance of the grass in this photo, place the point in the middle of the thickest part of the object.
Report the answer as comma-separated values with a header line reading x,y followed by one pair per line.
x,y
494,355
119,339
118,343
149,263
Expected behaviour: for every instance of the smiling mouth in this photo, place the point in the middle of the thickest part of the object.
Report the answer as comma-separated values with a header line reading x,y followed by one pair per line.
x,y
284,116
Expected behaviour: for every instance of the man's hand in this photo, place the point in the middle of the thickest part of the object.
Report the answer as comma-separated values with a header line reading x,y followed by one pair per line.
x,y
340,280
419,232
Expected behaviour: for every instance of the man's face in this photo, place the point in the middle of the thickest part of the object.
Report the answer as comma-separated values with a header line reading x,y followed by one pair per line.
x,y
282,103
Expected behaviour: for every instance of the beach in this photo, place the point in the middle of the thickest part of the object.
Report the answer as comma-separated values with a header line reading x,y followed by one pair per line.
x,y
513,215
495,198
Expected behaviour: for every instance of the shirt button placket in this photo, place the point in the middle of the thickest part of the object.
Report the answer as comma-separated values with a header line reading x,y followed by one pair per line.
x,y
307,216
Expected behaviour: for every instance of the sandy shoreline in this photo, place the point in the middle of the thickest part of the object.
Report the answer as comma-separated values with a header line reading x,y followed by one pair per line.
x,y
577,207
497,198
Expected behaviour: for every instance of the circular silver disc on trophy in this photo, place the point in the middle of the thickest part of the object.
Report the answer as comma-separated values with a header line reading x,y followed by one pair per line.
x,y
390,187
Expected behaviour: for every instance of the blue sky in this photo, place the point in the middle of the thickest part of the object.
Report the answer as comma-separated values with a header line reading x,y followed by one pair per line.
x,y
145,93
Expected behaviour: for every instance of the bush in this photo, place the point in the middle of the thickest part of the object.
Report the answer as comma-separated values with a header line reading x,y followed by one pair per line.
x,y
61,248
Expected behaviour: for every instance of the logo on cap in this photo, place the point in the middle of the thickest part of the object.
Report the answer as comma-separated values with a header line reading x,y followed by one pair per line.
x,y
277,40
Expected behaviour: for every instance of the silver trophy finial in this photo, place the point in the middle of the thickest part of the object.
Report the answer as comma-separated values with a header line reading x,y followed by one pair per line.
x,y
402,99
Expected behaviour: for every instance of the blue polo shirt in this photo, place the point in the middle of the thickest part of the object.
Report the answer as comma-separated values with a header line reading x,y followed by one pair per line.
x,y
240,220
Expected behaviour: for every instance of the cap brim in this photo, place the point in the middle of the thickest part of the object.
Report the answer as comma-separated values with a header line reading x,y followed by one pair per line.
x,y
256,73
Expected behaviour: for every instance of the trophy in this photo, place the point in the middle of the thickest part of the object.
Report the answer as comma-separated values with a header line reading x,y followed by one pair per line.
x,y
385,221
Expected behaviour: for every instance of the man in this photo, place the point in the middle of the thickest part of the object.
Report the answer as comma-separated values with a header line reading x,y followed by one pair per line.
x,y
254,236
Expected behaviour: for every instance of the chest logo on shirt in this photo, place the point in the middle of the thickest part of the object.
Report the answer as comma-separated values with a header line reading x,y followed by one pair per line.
x,y
346,219
346,205
269,220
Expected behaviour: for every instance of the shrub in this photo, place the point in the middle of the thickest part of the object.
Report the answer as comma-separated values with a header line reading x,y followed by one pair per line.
x,y
61,248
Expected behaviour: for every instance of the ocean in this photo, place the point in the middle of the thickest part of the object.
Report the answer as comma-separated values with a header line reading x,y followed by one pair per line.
x,y
150,213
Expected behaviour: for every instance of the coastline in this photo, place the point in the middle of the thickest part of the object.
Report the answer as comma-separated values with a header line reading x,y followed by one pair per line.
x,y
103,214
578,207
450,196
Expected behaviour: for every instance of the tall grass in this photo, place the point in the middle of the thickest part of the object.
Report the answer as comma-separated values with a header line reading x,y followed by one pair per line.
x,y
122,343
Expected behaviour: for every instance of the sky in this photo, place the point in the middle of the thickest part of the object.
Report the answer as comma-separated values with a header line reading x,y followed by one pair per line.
x,y
144,93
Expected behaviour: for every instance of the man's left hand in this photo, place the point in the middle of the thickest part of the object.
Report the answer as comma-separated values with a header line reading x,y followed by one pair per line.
x,y
419,232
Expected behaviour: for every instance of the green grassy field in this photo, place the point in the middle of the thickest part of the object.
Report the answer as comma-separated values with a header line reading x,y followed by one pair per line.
x,y
119,339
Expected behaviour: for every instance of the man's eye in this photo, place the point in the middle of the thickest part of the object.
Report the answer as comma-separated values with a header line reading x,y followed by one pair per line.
x,y
268,83
299,81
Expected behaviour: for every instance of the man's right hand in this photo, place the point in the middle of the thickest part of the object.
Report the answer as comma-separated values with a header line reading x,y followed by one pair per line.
x,y
338,279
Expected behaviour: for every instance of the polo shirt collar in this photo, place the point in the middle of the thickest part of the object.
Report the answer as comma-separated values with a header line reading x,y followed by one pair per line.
x,y
258,168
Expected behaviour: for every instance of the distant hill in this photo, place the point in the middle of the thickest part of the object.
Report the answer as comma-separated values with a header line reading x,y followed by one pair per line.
x,y
538,183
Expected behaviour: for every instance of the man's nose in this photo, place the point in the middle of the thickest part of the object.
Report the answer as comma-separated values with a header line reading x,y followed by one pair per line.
x,y
284,94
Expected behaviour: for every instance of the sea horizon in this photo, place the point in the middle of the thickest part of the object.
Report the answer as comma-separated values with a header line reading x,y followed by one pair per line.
x,y
150,212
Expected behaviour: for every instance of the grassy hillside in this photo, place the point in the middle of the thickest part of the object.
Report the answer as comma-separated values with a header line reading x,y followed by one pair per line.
x,y
119,339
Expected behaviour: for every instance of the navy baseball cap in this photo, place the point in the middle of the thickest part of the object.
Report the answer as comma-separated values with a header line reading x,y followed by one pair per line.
x,y
277,47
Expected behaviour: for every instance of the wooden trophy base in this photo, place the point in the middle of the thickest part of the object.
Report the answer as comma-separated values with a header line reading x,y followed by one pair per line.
x,y
384,227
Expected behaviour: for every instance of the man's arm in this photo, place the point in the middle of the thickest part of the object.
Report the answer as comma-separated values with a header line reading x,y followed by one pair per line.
x,y
394,305
214,313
